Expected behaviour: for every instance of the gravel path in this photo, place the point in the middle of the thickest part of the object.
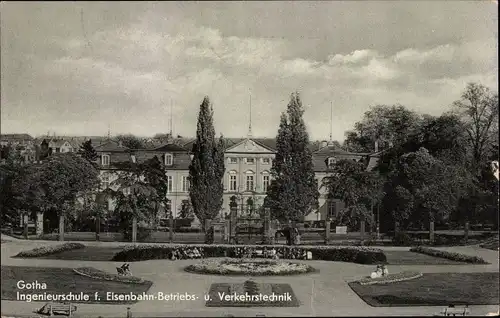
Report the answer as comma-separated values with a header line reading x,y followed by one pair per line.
x,y
321,294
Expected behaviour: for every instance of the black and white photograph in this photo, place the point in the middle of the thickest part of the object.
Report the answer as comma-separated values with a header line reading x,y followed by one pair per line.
x,y
249,158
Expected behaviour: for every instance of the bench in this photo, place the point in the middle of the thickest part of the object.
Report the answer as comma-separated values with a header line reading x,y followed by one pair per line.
x,y
60,308
451,310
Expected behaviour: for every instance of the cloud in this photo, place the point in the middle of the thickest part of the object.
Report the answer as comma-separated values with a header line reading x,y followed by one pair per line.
x,y
129,75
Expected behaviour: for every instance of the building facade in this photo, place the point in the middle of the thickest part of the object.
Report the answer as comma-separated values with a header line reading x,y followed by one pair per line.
x,y
247,175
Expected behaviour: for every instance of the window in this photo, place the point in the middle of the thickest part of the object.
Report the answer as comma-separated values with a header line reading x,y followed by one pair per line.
x,y
126,191
170,184
134,160
232,181
266,161
250,161
265,182
233,160
185,184
250,182
169,159
105,181
332,161
332,209
105,160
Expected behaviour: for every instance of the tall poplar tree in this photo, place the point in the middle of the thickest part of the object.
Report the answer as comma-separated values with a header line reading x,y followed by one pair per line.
x,y
294,190
206,170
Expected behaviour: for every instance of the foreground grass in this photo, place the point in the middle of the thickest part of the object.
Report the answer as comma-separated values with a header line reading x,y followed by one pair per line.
x,y
63,281
412,258
89,253
436,289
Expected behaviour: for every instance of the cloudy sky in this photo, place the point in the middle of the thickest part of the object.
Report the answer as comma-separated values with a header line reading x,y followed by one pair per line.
x,y
75,68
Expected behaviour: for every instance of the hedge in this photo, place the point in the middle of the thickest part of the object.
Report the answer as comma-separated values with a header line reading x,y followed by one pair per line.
x,y
391,278
243,267
48,250
98,274
353,254
448,255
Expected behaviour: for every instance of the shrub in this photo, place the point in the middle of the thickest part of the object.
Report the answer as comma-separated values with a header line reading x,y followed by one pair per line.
x,y
143,234
246,267
48,250
98,274
448,255
391,278
354,254
402,239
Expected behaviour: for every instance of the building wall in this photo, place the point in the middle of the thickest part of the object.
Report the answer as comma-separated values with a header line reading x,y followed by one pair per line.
x,y
241,169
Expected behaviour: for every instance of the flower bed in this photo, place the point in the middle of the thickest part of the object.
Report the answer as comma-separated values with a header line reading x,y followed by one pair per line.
x,y
448,255
353,254
252,267
102,275
47,250
391,278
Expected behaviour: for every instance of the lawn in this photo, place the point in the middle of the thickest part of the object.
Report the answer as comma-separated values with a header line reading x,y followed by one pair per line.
x,y
412,258
89,253
436,289
61,281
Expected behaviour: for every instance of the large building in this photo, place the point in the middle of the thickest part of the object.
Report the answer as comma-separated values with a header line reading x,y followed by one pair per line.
x,y
248,163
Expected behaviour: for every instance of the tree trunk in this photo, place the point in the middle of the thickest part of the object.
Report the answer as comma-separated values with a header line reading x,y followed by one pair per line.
x,y
97,227
25,226
134,229
431,232
209,232
362,229
466,231
61,227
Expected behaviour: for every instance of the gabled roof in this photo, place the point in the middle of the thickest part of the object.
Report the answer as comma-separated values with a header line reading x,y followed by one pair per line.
x,y
250,145
170,147
335,150
111,145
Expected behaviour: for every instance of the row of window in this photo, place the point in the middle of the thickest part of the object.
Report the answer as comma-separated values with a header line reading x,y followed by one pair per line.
x,y
233,182
105,182
169,160
249,182
249,161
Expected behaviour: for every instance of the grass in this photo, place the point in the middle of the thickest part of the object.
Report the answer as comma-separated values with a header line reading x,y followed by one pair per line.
x,y
89,253
449,255
61,281
412,258
49,250
391,278
436,289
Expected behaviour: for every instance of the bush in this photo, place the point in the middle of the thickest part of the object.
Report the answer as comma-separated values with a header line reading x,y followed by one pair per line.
x,y
354,254
143,233
98,274
391,278
188,230
402,239
448,255
245,267
48,250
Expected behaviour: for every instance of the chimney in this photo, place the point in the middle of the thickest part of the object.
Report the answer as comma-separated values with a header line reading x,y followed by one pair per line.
x,y
120,143
376,145
324,143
